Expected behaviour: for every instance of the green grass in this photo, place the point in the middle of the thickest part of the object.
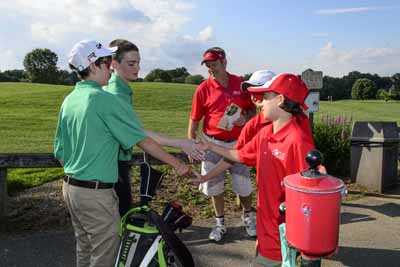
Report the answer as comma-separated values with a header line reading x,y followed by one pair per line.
x,y
29,116
369,110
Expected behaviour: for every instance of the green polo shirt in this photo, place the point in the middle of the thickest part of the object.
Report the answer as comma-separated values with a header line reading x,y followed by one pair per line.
x,y
92,126
123,92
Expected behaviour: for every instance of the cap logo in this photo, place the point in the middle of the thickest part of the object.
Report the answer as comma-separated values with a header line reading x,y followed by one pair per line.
x,y
91,55
98,46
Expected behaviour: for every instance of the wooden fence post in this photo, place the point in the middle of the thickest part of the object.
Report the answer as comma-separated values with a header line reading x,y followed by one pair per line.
x,y
3,193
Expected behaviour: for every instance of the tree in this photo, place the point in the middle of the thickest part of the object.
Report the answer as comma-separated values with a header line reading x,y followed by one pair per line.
x,y
12,76
363,89
395,88
153,75
383,94
41,66
194,79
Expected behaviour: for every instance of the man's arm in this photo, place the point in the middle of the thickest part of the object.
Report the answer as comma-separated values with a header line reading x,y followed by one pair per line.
x,y
193,129
186,145
148,145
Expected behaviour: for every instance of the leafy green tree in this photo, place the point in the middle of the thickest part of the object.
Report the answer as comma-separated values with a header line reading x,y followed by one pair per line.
x,y
194,79
41,66
363,89
383,94
395,88
153,75
13,76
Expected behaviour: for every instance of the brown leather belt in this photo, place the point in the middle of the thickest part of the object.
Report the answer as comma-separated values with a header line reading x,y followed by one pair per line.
x,y
87,184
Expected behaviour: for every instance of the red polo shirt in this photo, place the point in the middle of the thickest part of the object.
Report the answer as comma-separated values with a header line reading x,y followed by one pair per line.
x,y
250,129
275,156
210,101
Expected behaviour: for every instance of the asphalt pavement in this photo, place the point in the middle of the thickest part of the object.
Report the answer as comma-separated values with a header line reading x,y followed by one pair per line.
x,y
369,237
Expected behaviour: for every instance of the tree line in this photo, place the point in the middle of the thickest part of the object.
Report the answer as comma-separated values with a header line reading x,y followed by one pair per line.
x,y
40,66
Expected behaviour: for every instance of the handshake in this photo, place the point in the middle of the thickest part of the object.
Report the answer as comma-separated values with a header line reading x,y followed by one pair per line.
x,y
195,149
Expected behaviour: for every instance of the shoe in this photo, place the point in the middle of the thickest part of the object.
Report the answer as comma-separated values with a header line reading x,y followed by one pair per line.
x,y
217,232
249,221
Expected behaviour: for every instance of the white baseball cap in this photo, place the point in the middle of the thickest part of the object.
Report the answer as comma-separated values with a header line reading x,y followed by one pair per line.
x,y
258,78
86,52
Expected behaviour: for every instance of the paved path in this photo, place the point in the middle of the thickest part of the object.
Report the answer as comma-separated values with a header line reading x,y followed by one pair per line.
x,y
369,237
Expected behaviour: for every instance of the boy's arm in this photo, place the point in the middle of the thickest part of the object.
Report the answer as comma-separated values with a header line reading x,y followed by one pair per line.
x,y
229,154
150,146
221,166
186,145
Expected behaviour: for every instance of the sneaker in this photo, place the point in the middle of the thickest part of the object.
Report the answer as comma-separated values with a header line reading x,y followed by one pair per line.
x,y
217,232
249,221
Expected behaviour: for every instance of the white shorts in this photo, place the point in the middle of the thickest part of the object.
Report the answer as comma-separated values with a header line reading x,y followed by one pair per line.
x,y
240,173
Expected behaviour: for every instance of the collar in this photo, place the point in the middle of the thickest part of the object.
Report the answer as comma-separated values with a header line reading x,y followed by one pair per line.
x,y
88,83
118,85
284,131
214,84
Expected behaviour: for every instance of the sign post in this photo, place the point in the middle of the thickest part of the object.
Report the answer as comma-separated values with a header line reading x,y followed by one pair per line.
x,y
313,80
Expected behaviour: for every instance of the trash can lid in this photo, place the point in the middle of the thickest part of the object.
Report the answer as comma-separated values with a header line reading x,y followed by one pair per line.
x,y
375,131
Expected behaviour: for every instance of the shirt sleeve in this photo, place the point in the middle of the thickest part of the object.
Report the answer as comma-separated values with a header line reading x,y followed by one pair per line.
x,y
123,124
300,150
58,140
248,153
198,103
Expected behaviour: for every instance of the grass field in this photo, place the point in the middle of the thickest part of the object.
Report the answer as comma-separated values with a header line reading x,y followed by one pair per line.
x,y
28,117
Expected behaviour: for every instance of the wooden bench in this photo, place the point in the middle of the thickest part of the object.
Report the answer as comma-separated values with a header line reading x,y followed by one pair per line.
x,y
47,160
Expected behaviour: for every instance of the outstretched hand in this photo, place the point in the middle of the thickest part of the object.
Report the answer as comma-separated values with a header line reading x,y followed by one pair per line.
x,y
192,150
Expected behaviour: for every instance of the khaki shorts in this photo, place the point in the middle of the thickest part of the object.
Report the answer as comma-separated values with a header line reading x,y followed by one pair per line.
x,y
240,173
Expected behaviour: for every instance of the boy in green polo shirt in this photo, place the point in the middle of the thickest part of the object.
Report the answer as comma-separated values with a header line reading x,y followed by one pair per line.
x,y
126,68
92,126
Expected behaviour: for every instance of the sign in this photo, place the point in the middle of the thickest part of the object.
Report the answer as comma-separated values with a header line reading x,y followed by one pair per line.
x,y
313,79
312,101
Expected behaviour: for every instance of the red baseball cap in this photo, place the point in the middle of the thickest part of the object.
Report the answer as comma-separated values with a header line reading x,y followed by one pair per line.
x,y
286,84
213,54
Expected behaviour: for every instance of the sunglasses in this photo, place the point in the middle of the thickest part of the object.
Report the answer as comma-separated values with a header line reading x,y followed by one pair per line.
x,y
104,60
257,97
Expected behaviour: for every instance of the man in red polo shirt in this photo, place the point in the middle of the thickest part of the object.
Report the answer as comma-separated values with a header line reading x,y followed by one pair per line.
x,y
278,150
224,109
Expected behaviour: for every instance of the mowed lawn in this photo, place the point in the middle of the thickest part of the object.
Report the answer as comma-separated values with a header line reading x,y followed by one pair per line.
x,y
28,118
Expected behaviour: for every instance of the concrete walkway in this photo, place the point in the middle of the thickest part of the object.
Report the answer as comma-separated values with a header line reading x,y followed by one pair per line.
x,y
369,237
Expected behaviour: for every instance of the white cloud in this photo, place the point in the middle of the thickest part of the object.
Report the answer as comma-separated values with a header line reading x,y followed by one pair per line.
x,y
348,10
335,62
57,25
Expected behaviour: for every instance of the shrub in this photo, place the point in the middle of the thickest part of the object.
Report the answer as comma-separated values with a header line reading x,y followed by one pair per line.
x,y
332,138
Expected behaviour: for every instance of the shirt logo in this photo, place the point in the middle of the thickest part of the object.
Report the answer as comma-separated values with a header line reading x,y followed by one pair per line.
x,y
278,154
236,92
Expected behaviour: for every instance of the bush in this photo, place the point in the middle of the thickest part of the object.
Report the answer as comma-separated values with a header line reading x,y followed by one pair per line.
x,y
332,138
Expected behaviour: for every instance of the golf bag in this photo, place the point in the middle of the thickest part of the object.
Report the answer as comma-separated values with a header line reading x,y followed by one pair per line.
x,y
148,239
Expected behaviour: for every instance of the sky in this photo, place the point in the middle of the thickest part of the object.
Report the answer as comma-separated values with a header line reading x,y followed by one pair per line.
x,y
335,37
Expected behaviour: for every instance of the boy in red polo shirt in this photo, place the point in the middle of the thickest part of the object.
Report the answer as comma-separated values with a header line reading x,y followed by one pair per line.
x,y
278,150
251,128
